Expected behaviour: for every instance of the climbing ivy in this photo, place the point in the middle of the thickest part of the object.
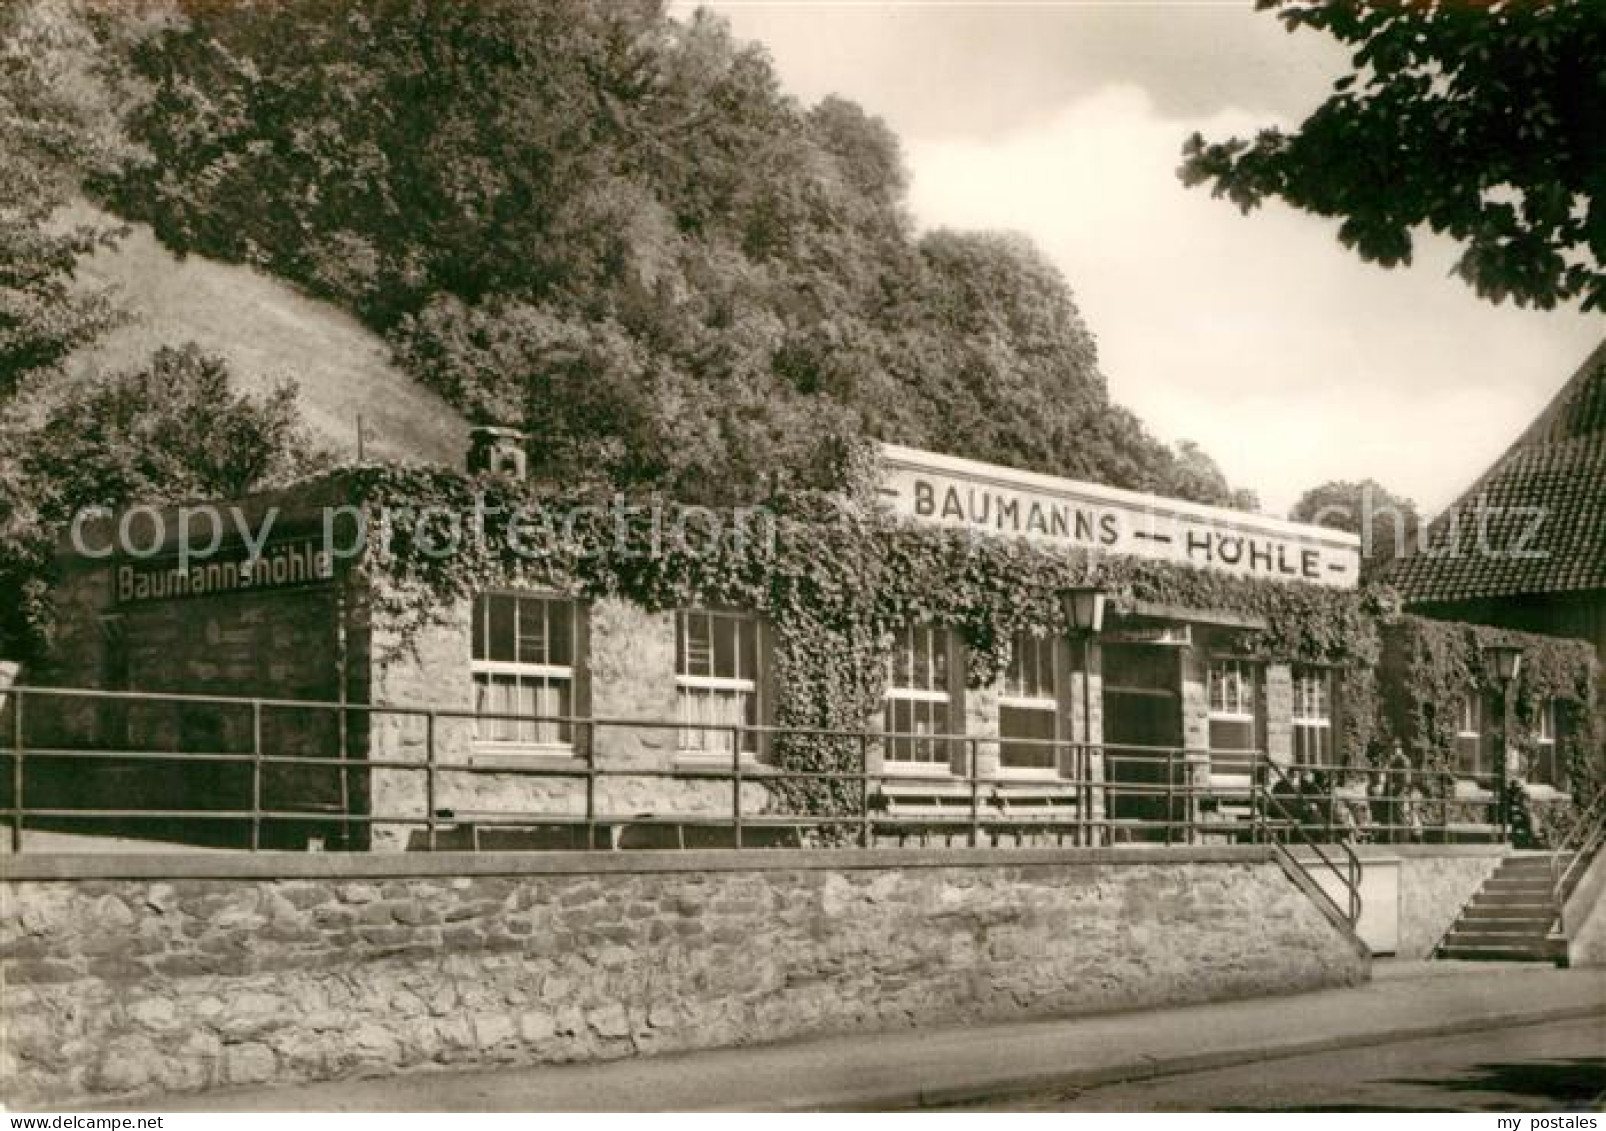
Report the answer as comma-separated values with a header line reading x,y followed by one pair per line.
x,y
834,577
1430,665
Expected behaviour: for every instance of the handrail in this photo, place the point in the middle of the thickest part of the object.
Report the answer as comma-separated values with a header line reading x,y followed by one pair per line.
x,y
1588,832
1349,876
1164,798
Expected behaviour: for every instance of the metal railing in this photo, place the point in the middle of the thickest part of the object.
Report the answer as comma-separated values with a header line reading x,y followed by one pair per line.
x,y
1279,819
1574,853
265,772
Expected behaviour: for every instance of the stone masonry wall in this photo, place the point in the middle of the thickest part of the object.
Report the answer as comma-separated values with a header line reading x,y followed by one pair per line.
x,y
126,987
283,644
1277,714
628,673
1434,888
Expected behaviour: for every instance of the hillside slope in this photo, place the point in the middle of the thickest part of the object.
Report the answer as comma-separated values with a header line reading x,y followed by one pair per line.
x,y
268,331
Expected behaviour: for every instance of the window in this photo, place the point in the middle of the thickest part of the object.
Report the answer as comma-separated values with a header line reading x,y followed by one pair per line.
x,y
716,681
918,700
1232,706
523,665
1469,735
1546,768
1028,707
1313,717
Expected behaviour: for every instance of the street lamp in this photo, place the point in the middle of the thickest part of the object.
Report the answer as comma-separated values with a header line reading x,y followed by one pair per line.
x,y
1503,663
1084,609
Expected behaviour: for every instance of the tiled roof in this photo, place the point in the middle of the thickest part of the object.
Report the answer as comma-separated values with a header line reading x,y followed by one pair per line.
x,y
1535,522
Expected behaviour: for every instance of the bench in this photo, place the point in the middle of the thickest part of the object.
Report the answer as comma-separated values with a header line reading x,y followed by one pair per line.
x,y
480,830
1227,808
923,809
1022,809
928,809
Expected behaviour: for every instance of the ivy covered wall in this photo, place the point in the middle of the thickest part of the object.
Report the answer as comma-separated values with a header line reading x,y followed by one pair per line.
x,y
834,576
1430,665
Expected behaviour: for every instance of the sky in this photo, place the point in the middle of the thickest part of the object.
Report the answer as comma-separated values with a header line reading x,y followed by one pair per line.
x,y
1290,360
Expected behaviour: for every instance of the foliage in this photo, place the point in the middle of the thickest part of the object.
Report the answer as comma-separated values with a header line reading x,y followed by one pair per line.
x,y
1478,121
55,127
169,432
616,228
1386,522
833,577
1431,665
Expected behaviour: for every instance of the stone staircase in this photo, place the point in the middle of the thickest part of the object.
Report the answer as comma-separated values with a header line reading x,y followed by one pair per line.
x,y
1509,920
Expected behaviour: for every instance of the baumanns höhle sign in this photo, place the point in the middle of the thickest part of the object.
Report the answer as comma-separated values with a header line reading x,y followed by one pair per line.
x,y
282,565
948,491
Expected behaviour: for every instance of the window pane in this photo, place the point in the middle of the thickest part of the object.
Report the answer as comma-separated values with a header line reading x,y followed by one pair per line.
x,y
935,721
477,626
560,632
749,648
1231,734
920,674
696,651
497,695
1026,723
532,643
1313,745
724,631
499,629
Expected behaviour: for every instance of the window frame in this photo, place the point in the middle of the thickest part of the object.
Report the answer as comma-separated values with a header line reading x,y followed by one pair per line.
x,y
1245,711
939,642
1473,706
702,755
521,749
1303,677
1041,704
1547,752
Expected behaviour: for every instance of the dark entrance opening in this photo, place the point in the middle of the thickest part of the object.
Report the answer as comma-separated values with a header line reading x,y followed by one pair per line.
x,y
1143,765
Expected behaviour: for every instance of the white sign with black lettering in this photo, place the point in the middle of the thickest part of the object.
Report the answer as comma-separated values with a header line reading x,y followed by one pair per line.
x,y
986,498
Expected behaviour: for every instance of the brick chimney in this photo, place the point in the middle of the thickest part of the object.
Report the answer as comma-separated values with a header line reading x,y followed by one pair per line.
x,y
499,451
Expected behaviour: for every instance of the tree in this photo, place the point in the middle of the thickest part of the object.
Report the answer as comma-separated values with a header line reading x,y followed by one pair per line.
x,y
1479,121
1385,521
616,229
169,432
1197,476
56,128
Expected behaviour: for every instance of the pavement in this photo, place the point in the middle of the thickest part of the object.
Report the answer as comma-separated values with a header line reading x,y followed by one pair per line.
x,y
940,1066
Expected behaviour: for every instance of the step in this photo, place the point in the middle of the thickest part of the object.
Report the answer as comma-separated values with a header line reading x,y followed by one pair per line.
x,y
1476,910
1505,928
1526,866
1535,901
1537,893
1514,928
1547,953
1478,937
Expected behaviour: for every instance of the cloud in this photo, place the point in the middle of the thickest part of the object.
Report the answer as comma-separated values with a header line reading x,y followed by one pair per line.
x,y
979,68
1286,357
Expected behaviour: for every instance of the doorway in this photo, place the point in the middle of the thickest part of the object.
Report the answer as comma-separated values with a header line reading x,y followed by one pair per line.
x,y
1142,723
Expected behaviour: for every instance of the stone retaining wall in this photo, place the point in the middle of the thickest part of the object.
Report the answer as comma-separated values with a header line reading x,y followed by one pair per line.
x,y
146,975
1436,884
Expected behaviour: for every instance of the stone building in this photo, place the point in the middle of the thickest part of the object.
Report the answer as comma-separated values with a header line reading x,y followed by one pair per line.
x,y
513,710
1524,546
1159,710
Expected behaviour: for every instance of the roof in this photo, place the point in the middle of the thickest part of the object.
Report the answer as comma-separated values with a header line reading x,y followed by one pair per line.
x,y
1535,521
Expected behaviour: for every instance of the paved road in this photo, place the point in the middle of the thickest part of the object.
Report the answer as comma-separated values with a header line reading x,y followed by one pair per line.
x,y
1554,1067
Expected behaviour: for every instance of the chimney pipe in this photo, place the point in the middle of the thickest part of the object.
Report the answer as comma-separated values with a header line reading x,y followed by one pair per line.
x,y
497,451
